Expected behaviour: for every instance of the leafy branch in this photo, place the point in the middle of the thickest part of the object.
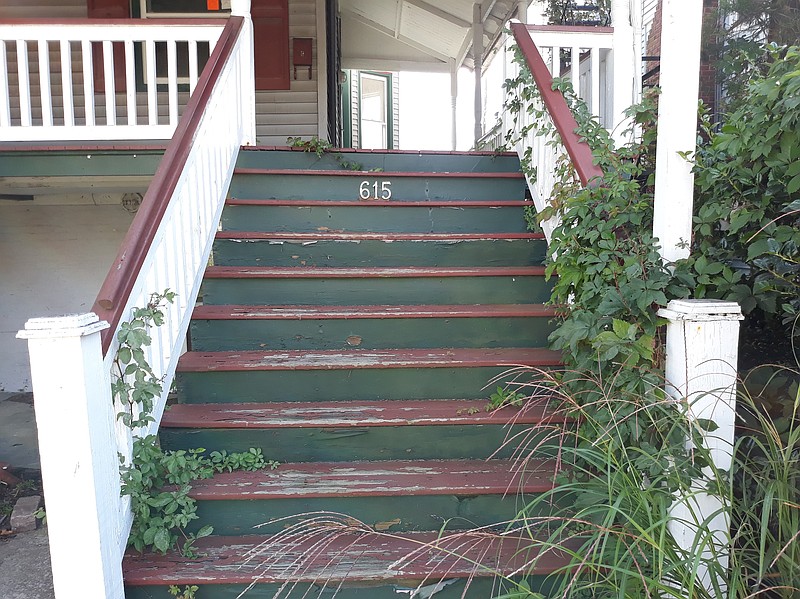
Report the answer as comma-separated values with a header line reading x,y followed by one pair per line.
x,y
157,481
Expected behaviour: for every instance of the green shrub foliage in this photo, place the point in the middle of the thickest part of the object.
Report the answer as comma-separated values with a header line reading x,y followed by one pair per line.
x,y
747,204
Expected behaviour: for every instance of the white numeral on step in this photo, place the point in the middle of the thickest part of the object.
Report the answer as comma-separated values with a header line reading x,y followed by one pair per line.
x,y
376,190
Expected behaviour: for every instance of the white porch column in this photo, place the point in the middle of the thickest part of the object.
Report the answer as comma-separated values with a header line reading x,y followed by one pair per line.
x,y
453,104
522,11
477,57
677,126
624,59
78,450
702,356
241,8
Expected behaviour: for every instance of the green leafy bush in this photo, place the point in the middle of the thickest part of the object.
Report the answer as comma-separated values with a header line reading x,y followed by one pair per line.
x,y
747,204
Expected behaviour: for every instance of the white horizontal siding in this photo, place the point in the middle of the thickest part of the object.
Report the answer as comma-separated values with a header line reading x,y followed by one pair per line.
x,y
396,110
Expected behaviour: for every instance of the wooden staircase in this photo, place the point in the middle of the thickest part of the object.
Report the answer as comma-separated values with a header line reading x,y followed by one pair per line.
x,y
353,340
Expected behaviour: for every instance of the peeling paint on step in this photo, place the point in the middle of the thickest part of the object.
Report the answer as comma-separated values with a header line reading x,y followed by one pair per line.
x,y
425,592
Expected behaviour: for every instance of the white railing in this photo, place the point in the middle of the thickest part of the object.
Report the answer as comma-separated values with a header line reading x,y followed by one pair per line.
x,y
99,80
549,148
582,55
167,247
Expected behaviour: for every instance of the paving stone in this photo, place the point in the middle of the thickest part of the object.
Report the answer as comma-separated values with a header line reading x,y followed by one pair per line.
x,y
23,518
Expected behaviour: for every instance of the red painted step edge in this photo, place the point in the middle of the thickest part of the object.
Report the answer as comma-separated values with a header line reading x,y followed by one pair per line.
x,y
314,272
257,312
383,203
230,416
382,174
348,236
336,550
235,361
380,479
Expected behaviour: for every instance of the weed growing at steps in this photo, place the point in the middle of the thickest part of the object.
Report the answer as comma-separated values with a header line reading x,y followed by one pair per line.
x,y
157,481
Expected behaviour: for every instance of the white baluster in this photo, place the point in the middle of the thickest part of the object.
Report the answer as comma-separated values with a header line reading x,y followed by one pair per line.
x,y
152,92
108,77
65,49
172,78
5,103
130,82
88,82
23,71
44,83
193,68
575,69
594,71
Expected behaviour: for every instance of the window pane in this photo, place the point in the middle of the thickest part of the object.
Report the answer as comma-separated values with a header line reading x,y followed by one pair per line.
x,y
374,108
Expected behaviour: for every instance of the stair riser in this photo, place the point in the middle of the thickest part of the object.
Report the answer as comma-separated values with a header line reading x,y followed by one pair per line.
x,y
396,514
479,588
369,333
516,252
376,219
347,187
365,291
395,162
338,385
440,442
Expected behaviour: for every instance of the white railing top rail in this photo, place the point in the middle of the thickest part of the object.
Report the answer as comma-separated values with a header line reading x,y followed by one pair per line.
x,y
98,79
563,36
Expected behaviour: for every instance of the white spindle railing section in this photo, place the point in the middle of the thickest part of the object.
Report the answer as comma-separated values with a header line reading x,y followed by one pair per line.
x,y
550,147
99,81
590,49
166,247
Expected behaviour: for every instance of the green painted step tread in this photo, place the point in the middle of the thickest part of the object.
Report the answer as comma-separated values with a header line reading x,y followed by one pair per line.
x,y
338,550
314,272
367,152
381,174
380,479
444,203
249,361
295,312
344,414
366,236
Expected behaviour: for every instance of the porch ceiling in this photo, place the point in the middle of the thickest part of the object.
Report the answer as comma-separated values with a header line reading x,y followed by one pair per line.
x,y
420,35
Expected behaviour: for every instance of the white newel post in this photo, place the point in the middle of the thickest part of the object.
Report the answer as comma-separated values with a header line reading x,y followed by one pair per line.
x,y
78,450
241,8
702,356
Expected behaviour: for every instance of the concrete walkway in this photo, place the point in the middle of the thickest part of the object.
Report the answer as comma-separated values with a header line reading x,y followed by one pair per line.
x,y
24,557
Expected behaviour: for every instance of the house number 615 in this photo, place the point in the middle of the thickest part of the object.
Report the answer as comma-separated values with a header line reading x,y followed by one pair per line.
x,y
378,191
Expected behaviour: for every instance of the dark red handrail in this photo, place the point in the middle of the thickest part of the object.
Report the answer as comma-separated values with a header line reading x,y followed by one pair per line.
x,y
579,151
125,269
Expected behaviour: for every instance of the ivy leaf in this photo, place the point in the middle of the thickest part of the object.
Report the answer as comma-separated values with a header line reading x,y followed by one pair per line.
x,y
161,540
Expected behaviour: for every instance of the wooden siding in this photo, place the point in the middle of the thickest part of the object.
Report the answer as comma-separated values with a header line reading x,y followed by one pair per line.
x,y
355,108
395,111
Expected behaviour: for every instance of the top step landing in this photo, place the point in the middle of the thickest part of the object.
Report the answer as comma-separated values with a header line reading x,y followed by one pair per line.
x,y
378,160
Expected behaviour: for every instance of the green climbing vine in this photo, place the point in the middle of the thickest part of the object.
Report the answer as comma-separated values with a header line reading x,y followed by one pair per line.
x,y
629,454
320,147
157,481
